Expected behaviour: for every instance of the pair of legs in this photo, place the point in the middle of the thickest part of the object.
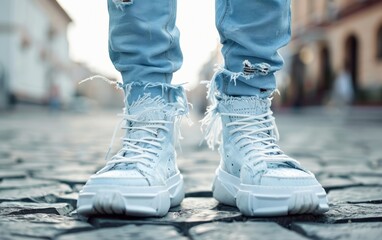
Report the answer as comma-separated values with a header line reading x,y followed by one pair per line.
x,y
255,175
144,41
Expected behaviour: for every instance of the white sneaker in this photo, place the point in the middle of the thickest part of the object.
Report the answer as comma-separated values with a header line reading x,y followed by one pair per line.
x,y
254,174
142,179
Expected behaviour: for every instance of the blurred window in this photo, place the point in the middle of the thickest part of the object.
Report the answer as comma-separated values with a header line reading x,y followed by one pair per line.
x,y
25,42
379,43
51,34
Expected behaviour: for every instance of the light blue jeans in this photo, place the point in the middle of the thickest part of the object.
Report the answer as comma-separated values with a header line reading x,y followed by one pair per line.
x,y
144,44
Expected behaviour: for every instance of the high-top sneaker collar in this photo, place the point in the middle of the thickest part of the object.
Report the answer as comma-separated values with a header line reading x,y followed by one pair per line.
x,y
249,122
247,105
145,111
148,121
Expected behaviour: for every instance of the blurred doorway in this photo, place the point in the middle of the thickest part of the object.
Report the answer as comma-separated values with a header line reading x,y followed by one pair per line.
x,y
325,74
297,80
3,89
351,61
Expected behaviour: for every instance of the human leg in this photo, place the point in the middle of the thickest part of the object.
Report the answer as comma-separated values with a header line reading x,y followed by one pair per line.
x,y
251,32
142,179
255,175
144,42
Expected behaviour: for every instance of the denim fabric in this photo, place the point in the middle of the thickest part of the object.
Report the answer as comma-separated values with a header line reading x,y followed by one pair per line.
x,y
144,41
254,31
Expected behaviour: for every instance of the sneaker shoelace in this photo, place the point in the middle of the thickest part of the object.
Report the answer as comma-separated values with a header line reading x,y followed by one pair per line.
x,y
257,135
144,146
142,143
143,149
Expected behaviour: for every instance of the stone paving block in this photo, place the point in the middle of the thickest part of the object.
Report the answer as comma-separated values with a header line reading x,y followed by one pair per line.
x,y
28,165
338,213
7,163
7,236
149,232
77,187
40,193
328,159
75,168
345,231
242,231
70,198
201,209
286,221
9,184
39,227
340,158
43,218
198,182
330,183
314,167
350,169
200,216
7,173
343,155
22,208
192,211
205,162
308,161
4,154
376,159
206,168
196,203
356,195
67,178
352,212
367,180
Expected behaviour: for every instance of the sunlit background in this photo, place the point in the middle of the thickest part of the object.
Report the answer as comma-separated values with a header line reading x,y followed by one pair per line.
x,y
88,36
55,132
48,46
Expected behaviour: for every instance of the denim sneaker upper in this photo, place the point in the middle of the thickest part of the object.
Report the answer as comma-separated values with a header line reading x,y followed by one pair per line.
x,y
147,156
142,178
248,143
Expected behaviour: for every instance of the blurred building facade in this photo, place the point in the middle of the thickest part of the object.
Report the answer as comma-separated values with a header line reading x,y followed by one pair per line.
x,y
34,62
98,92
330,38
198,95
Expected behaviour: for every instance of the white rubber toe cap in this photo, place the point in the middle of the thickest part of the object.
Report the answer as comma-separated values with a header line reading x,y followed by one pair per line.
x,y
119,177
287,177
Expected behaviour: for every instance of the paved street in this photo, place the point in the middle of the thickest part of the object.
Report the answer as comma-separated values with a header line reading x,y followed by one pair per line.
x,y
45,158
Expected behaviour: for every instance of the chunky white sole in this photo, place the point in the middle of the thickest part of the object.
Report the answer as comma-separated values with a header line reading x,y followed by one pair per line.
x,y
253,200
147,201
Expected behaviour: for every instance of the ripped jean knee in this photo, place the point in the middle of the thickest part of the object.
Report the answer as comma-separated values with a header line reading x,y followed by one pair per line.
x,y
121,3
249,71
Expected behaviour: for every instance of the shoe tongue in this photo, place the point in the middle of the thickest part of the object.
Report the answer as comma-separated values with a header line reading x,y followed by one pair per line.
x,y
252,106
147,108
144,110
247,105
144,113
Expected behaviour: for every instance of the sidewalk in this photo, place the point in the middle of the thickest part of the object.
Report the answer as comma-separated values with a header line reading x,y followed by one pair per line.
x,y
45,159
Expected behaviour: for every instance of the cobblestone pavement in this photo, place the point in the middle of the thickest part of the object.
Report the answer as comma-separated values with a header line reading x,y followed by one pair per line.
x,y
45,159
